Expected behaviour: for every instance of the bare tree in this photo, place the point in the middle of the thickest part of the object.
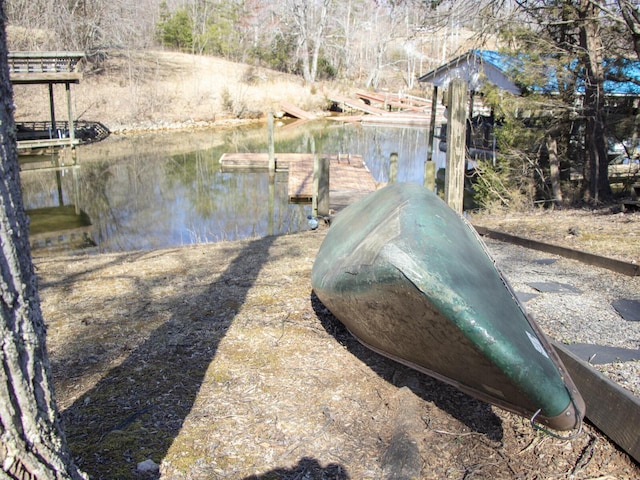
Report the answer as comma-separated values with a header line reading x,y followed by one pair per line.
x,y
32,443
596,167
310,20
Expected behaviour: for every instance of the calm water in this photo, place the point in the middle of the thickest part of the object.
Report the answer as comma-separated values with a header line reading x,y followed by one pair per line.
x,y
162,190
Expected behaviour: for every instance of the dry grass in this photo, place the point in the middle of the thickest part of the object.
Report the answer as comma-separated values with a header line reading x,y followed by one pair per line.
x,y
216,361
168,90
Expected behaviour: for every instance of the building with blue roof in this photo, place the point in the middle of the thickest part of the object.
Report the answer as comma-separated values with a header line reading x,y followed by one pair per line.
x,y
477,67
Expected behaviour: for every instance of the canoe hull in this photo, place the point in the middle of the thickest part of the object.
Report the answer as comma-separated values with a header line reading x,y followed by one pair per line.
x,y
411,280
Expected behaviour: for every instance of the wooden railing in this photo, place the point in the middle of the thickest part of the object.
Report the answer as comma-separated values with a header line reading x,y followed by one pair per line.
x,y
44,62
44,67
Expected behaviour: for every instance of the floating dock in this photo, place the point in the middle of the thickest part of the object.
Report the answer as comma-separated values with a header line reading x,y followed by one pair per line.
x,y
349,177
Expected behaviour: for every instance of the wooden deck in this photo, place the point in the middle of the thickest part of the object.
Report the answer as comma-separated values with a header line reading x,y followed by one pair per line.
x,y
348,174
44,67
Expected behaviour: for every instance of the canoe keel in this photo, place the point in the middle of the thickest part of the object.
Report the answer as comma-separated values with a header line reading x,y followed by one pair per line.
x,y
412,281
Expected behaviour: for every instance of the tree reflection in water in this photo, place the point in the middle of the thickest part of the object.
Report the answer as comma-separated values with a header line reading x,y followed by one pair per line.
x,y
162,190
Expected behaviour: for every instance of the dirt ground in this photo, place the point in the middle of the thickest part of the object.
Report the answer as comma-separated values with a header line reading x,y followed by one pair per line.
x,y
216,361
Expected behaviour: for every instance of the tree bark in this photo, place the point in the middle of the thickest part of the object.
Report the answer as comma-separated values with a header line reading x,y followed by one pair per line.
x,y
32,444
596,168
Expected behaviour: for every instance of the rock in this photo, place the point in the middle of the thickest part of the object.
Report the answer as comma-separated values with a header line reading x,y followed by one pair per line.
x,y
148,466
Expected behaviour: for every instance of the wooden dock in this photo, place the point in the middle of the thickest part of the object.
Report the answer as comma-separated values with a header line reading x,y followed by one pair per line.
x,y
296,112
409,111
348,174
48,68
357,105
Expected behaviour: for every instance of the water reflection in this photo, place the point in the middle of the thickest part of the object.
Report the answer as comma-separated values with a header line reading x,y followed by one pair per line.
x,y
153,191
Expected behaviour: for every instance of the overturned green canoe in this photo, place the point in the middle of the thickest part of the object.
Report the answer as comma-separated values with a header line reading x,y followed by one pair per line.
x,y
411,280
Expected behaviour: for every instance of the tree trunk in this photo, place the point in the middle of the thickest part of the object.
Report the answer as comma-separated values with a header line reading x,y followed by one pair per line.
x,y
596,168
318,38
32,444
300,12
554,169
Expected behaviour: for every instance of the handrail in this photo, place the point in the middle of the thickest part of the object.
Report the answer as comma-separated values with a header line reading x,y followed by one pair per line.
x,y
44,62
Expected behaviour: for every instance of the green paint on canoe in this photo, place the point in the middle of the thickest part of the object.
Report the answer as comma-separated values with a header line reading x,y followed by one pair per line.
x,y
411,279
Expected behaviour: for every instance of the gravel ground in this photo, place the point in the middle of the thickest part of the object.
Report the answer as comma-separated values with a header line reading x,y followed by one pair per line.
x,y
581,311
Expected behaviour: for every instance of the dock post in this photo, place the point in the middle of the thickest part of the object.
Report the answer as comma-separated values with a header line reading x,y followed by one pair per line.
x,y
393,168
270,141
457,124
320,201
430,175
429,165
432,124
72,126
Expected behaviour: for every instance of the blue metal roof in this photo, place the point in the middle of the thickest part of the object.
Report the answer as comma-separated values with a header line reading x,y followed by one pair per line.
x,y
623,69
615,73
497,68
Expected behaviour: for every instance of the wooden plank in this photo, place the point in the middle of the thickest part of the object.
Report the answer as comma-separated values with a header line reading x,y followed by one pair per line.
x,y
347,174
618,266
396,118
347,118
260,160
38,78
301,180
388,99
296,112
611,408
47,143
357,105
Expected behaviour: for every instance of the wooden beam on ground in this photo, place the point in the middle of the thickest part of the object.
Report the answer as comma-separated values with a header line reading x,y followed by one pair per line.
x,y
611,408
618,266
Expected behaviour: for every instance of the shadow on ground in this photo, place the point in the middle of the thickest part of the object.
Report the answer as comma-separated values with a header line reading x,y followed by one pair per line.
x,y
139,407
476,415
307,468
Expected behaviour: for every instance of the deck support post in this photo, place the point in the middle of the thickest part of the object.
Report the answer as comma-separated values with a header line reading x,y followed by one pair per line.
x,y
456,131
320,201
270,141
393,168
72,125
52,110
